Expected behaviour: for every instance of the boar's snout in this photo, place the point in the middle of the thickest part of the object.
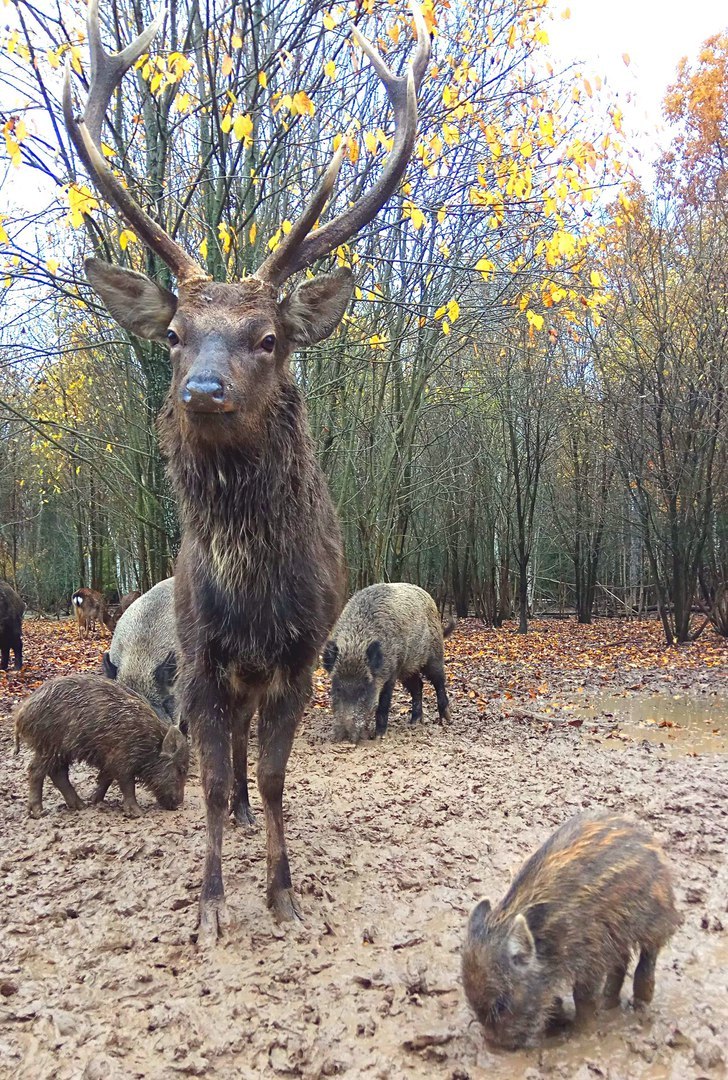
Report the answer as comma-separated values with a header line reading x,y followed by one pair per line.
x,y
352,721
171,801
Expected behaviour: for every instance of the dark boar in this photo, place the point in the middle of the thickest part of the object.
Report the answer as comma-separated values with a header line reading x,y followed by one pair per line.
x,y
89,607
128,599
88,718
111,616
385,633
143,650
595,891
11,626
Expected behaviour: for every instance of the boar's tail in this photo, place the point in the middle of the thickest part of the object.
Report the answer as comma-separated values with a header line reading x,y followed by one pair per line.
x,y
448,628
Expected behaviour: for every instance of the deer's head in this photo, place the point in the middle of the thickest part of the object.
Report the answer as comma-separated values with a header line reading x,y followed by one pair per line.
x,y
230,343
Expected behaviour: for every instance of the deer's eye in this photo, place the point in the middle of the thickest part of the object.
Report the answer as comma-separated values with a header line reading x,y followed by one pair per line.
x,y
268,343
172,337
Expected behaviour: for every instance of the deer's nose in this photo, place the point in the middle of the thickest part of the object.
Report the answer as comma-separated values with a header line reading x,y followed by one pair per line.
x,y
204,392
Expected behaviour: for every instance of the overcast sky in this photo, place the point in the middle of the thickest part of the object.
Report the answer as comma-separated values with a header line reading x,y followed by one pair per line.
x,y
655,34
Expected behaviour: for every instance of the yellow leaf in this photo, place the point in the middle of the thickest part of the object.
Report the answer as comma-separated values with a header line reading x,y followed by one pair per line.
x,y
226,123
485,267
526,148
453,310
127,237
625,58
330,69
302,104
414,214
441,215
253,232
52,265
227,65
595,279
236,41
536,321
440,312
81,201
203,248
445,326
329,22
262,79
370,141
243,127
3,235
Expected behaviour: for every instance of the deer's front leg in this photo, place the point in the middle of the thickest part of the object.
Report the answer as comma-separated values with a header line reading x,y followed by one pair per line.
x,y
207,707
280,712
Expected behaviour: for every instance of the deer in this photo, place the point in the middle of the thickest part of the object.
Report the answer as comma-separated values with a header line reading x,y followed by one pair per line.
x,y
90,608
260,576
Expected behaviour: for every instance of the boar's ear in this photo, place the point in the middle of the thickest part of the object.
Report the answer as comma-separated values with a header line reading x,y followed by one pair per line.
x,y
521,946
536,917
166,672
108,667
137,303
173,742
330,655
375,657
478,917
316,307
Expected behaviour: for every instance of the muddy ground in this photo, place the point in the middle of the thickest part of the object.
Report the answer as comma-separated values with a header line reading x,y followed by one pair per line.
x,y
390,843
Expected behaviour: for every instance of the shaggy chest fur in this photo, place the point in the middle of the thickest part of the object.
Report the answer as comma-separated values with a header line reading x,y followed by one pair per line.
x,y
261,558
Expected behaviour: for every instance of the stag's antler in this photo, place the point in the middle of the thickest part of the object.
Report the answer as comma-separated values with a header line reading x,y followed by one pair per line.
x,y
107,71
301,247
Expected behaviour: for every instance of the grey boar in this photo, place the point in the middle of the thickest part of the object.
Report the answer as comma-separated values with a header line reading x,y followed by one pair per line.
x,y
88,718
143,650
385,633
595,891
89,607
11,626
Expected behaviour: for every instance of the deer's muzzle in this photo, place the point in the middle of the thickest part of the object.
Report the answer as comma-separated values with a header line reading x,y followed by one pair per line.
x,y
205,393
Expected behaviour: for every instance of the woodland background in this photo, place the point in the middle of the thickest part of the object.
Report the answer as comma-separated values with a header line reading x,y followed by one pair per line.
x,y
524,407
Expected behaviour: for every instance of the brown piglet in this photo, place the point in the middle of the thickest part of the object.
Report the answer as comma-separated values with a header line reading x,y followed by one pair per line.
x,y
90,718
595,892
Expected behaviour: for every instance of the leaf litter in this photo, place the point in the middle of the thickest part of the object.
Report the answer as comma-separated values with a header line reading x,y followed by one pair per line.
x,y
391,843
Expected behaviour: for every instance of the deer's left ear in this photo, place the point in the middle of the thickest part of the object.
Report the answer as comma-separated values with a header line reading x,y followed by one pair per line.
x,y
315,308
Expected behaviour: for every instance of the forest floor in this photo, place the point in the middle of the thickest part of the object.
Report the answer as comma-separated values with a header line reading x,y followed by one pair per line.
x,y
391,843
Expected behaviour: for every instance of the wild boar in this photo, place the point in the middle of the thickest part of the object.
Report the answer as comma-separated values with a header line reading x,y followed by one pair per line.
x,y
111,616
88,718
89,607
11,626
597,889
385,633
143,650
128,599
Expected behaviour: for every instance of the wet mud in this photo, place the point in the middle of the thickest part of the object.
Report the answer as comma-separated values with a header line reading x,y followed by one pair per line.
x,y
391,842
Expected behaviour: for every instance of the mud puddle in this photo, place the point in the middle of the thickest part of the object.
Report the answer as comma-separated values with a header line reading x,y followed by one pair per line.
x,y
683,725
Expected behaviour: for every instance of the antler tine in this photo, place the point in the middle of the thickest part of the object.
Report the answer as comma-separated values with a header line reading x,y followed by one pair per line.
x,y
107,71
272,268
301,247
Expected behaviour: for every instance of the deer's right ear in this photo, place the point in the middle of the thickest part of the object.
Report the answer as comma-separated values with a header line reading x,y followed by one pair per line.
x,y
136,302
